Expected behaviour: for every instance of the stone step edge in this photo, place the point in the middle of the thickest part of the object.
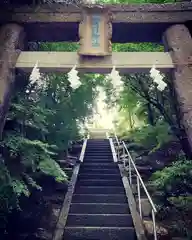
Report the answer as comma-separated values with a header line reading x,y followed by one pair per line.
x,y
100,214
100,180
103,174
94,187
111,204
92,227
97,194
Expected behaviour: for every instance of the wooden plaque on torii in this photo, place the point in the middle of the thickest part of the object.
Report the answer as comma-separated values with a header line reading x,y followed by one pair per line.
x,y
95,32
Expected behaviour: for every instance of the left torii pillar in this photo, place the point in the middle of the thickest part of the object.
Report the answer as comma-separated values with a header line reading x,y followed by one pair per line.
x,y
11,44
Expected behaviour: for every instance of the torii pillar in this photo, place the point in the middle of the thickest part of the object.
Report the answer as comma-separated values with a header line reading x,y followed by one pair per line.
x,y
178,42
11,44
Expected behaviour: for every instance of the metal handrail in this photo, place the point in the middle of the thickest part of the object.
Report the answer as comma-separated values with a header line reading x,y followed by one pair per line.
x,y
117,140
139,181
118,145
81,157
139,176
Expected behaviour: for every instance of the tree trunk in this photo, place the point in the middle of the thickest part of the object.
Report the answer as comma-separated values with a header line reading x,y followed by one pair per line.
x,y
11,44
131,124
150,114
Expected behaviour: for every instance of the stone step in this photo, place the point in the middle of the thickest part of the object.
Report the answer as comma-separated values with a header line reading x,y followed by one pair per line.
x,y
98,154
90,140
95,160
98,162
99,176
100,157
99,165
99,182
100,150
99,142
98,146
100,220
99,198
99,190
99,208
99,171
99,233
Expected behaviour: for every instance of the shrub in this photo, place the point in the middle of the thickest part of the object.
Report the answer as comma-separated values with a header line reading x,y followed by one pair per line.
x,y
174,180
151,137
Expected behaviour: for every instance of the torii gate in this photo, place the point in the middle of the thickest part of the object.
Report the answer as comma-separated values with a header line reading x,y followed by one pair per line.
x,y
98,25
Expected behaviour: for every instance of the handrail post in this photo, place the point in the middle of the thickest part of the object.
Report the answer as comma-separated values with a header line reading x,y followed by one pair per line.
x,y
154,225
117,152
118,147
130,173
83,150
139,196
107,135
124,158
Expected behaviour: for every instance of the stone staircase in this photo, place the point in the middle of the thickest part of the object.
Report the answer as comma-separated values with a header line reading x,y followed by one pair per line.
x,y
99,209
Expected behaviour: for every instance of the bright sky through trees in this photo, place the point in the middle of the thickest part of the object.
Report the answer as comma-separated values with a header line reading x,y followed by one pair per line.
x,y
103,117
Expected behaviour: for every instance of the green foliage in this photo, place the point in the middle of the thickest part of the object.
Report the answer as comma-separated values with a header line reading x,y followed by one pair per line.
x,y
31,156
137,47
43,118
59,47
174,180
175,185
19,187
52,168
24,159
182,202
151,137
143,106
6,188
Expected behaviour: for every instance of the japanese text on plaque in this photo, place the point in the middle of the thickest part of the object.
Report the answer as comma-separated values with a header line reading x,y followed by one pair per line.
x,y
95,30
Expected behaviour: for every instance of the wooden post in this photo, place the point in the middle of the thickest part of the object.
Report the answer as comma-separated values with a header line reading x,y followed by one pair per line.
x,y
11,44
178,42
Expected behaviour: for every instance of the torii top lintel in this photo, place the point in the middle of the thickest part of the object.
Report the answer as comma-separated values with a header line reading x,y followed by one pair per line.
x,y
131,22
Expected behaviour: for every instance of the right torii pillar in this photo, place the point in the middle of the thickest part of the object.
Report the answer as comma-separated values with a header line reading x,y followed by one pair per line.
x,y
178,42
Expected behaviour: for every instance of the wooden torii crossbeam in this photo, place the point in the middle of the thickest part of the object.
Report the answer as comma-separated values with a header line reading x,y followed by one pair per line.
x,y
125,62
